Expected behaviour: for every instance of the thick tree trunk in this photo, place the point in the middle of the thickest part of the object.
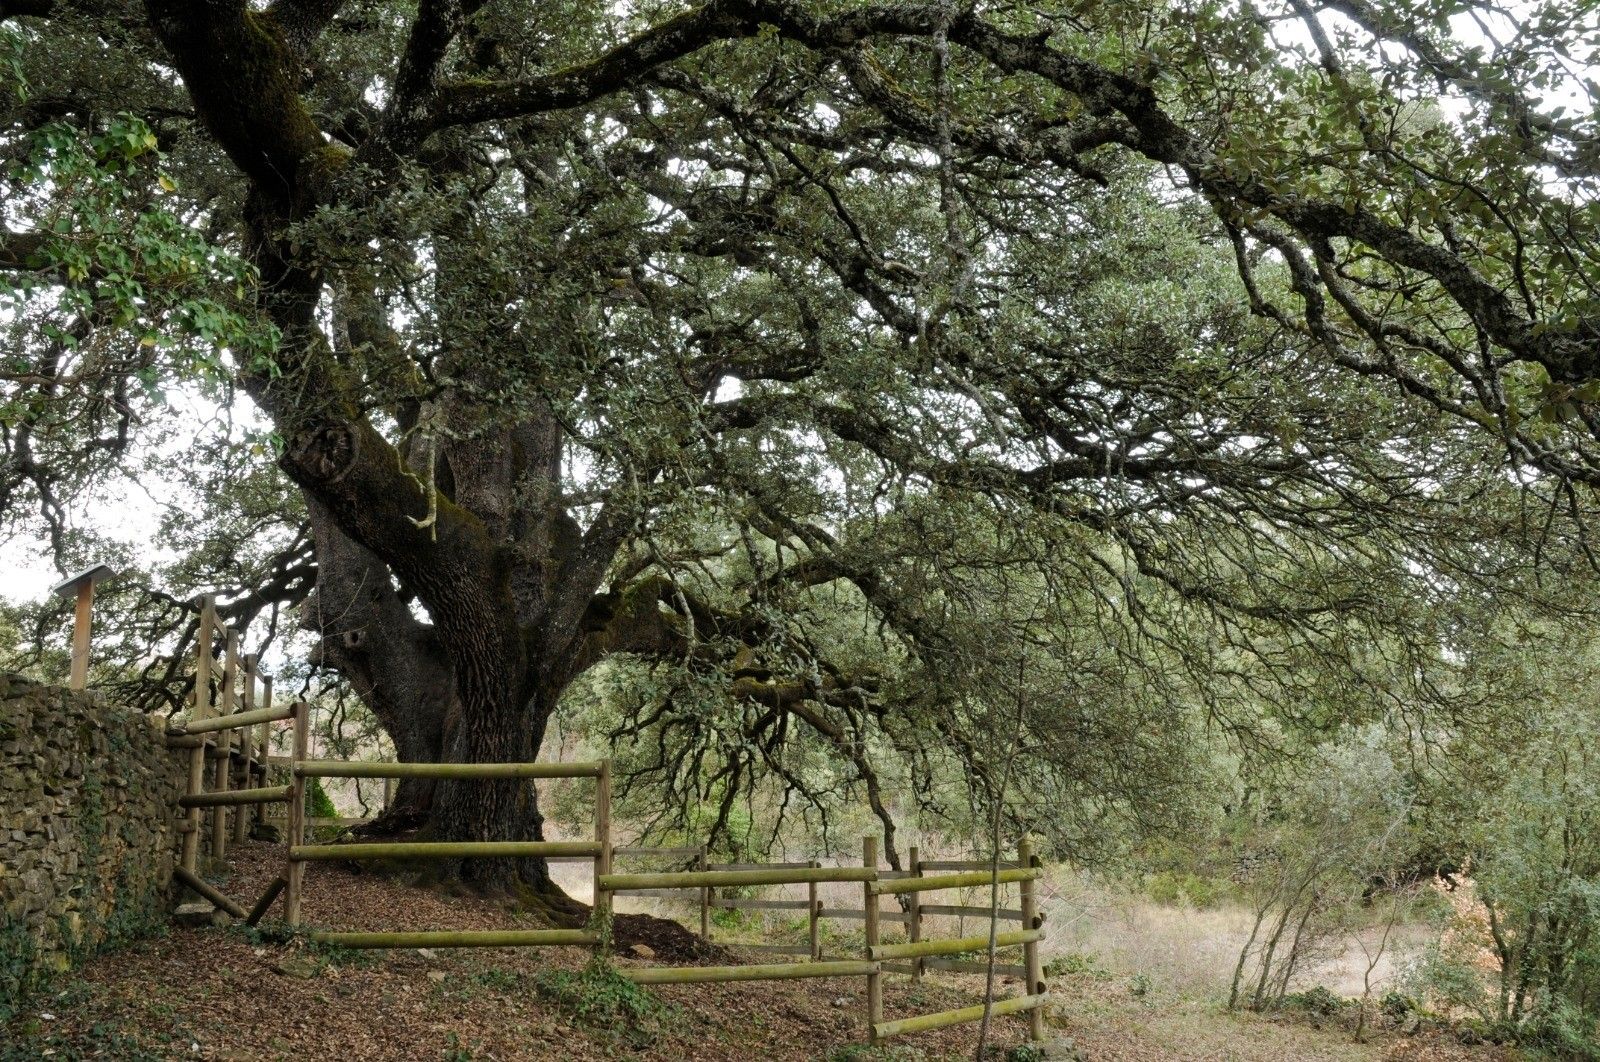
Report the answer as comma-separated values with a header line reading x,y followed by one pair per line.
x,y
500,809
392,661
486,547
398,666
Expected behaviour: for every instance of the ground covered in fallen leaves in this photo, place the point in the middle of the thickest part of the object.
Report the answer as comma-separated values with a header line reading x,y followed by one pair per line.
x,y
232,993
229,993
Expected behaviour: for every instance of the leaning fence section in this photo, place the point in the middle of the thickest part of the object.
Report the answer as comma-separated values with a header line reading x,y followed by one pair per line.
x,y
227,736
915,884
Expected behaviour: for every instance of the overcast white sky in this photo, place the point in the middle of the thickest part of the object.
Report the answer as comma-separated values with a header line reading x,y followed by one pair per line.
x,y
130,510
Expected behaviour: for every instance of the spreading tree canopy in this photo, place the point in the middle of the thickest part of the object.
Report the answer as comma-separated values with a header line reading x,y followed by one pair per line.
x,y
1014,388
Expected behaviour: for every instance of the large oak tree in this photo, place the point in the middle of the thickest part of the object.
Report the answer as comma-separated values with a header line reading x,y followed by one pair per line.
x,y
1226,322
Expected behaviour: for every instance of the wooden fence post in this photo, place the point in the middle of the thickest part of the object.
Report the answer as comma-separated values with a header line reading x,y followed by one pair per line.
x,y
224,768
1030,950
914,911
265,741
701,863
200,710
296,870
247,695
602,860
80,588
82,613
814,913
869,859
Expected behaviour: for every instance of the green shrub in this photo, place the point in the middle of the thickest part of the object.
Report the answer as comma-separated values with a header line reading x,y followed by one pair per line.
x,y
1318,1001
1563,1031
1074,963
318,804
1446,981
1163,887
1181,887
605,1001
1397,1006
730,918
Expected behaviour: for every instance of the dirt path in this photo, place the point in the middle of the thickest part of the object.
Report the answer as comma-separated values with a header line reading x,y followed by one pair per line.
x,y
1110,1023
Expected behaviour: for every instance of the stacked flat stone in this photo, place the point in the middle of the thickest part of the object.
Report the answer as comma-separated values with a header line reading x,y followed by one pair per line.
x,y
88,792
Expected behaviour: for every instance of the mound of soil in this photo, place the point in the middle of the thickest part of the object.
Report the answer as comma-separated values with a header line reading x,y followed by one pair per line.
x,y
669,941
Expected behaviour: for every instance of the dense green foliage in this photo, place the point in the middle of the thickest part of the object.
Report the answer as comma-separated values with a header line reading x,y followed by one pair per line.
x,y
1521,801
1094,412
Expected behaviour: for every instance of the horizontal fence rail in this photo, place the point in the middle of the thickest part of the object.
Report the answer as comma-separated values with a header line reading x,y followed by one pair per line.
x,y
968,864
631,851
779,949
860,915
229,722
951,881
974,966
450,938
763,905
952,946
717,879
364,769
687,975
277,794
1009,914
443,850
926,1022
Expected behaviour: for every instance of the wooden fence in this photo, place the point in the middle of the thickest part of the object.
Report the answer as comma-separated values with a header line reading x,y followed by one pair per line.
x,y
231,734
239,783
876,957
599,850
239,769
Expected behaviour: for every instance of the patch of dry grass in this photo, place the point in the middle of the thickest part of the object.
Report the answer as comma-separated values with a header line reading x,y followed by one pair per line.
x,y
1190,953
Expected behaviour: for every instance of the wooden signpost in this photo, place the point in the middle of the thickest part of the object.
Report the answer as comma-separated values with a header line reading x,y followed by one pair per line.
x,y
81,587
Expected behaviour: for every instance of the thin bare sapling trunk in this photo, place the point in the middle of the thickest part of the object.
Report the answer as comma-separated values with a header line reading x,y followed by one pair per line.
x,y
996,821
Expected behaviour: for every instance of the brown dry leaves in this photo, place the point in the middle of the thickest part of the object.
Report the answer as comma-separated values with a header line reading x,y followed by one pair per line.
x,y
214,994
218,994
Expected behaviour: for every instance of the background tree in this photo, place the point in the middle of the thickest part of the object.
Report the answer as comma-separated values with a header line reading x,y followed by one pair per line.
x,y
1517,804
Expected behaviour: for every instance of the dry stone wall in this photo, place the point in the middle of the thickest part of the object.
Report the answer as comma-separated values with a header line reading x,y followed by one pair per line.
x,y
88,798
